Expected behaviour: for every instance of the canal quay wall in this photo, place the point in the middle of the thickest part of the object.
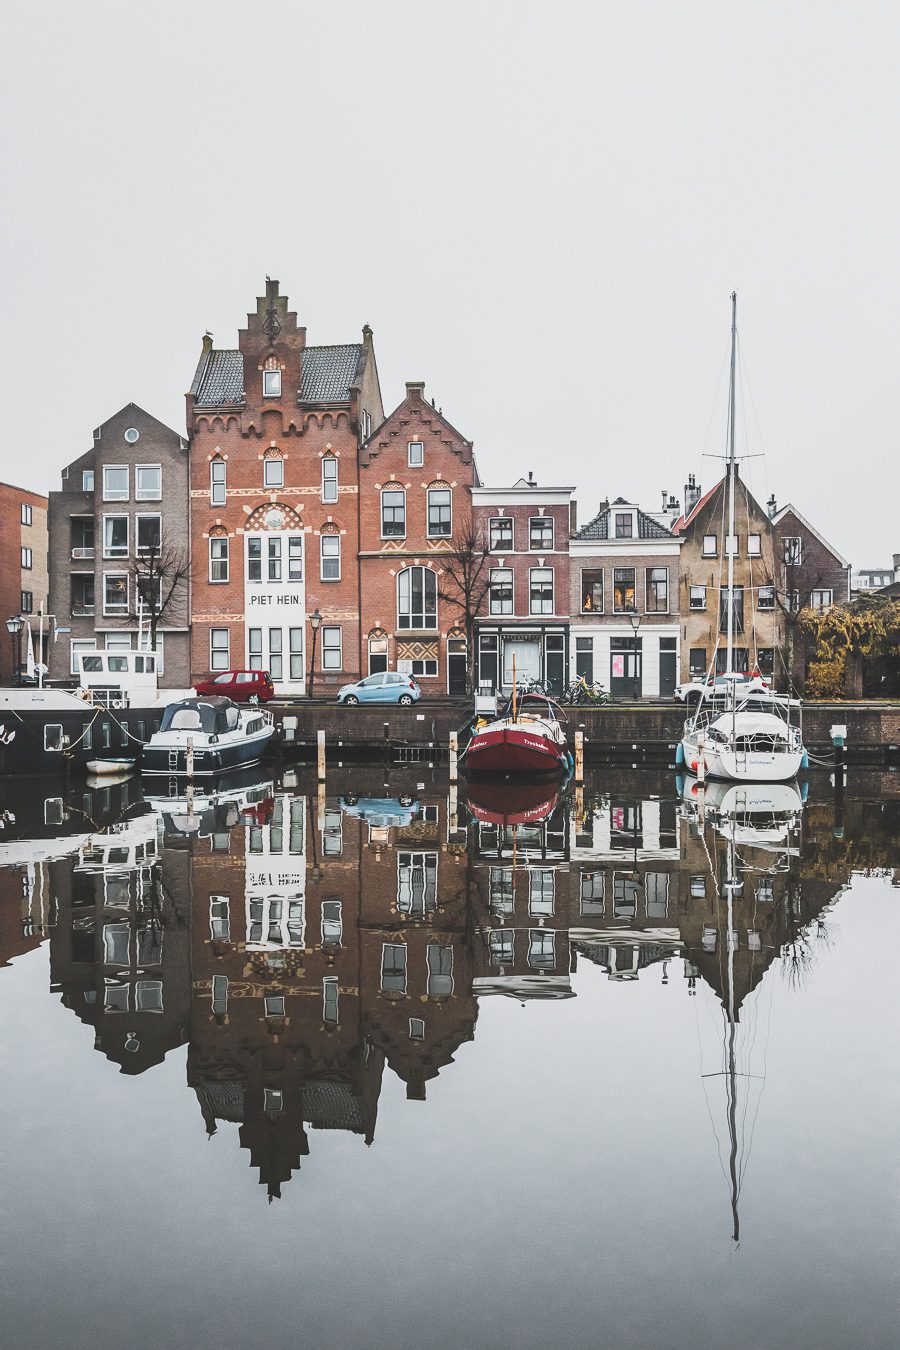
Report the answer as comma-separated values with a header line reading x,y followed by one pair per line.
x,y
622,732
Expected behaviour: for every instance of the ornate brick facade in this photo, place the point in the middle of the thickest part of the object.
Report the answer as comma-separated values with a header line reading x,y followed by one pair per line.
x,y
274,429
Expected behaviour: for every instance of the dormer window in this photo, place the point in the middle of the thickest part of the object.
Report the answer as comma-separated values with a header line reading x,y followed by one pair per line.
x,y
271,384
624,525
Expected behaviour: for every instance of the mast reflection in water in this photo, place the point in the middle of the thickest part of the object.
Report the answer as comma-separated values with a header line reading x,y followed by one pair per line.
x,y
301,944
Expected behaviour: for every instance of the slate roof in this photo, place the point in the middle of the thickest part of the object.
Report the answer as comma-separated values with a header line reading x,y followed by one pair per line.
x,y
328,375
222,381
598,528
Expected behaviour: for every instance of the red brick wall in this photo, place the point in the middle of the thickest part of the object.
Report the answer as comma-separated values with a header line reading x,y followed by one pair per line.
x,y
447,459
13,580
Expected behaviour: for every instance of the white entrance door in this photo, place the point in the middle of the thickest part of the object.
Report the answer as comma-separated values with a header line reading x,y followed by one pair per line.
x,y
527,655
275,607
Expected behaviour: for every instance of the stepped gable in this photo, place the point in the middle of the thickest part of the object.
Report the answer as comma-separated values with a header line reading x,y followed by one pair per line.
x,y
415,412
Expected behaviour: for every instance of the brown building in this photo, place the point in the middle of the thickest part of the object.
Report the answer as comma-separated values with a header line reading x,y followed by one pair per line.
x,y
525,613
703,597
119,545
275,427
24,581
416,473
810,574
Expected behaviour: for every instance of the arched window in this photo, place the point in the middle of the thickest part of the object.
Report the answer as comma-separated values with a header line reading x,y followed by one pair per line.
x,y
417,598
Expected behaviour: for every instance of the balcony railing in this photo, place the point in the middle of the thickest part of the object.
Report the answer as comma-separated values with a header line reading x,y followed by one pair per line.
x,y
82,554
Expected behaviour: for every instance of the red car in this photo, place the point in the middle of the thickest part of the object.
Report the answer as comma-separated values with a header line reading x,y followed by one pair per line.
x,y
241,686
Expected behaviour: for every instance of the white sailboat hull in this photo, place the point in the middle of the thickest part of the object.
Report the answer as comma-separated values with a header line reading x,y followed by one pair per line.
x,y
740,766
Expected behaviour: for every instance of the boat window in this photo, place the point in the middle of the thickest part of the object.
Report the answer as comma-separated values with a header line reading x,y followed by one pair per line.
x,y
118,664
231,718
91,663
185,719
53,736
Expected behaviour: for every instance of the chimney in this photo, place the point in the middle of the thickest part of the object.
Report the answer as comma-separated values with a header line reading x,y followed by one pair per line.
x,y
207,343
532,481
415,389
772,507
692,495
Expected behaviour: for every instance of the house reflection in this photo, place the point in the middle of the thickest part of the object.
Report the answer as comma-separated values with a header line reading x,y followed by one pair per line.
x,y
301,944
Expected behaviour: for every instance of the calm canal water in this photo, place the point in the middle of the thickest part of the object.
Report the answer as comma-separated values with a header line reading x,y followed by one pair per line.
x,y
394,1067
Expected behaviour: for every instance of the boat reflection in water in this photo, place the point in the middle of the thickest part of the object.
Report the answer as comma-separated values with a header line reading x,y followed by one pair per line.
x,y
750,833
301,944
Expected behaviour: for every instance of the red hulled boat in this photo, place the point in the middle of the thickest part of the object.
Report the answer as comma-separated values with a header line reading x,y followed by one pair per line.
x,y
527,739
496,803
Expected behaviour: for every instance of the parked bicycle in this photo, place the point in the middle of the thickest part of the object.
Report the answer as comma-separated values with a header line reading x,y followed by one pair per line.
x,y
581,692
527,684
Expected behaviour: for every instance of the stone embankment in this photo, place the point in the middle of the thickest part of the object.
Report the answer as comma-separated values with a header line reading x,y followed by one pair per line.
x,y
633,732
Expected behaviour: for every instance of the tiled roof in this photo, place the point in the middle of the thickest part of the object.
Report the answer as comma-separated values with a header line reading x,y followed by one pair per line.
x,y
598,528
329,373
222,381
681,522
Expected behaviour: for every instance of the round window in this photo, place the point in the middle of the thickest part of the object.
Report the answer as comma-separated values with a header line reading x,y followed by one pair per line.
x,y
131,435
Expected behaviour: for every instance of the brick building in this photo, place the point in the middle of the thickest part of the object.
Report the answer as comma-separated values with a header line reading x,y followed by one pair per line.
x,y
122,509
275,427
24,584
416,473
703,591
809,574
624,602
526,608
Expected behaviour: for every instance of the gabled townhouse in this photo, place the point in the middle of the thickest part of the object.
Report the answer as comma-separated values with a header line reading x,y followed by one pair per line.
x,y
275,426
868,580
416,474
813,575
625,630
118,544
24,584
703,589
525,623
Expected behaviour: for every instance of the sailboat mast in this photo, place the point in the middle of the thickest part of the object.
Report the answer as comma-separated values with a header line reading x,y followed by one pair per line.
x,y
729,651
731,882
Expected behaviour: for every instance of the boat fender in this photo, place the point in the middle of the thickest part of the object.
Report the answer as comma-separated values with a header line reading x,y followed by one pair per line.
x,y
679,783
804,762
804,790
679,754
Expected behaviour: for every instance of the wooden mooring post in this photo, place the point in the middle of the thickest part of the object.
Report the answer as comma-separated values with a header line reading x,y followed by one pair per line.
x,y
320,756
579,755
454,757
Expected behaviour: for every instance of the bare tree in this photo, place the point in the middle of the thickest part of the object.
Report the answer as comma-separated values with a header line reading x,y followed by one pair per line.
x,y
159,573
793,584
465,581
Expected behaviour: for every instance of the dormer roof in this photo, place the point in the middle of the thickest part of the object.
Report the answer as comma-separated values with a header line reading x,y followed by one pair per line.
x,y
598,528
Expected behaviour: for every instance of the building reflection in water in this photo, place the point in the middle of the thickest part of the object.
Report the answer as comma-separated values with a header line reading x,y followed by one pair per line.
x,y
301,943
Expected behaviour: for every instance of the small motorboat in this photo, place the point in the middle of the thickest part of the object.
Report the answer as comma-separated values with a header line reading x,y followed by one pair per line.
x,y
204,737
527,738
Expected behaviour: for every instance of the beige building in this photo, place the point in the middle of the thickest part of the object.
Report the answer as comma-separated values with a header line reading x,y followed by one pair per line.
x,y
703,582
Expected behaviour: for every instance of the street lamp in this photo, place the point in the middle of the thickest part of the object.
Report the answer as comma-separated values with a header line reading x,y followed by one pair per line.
x,y
14,627
635,620
315,623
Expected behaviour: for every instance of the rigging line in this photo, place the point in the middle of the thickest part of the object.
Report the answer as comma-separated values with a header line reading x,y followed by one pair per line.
x,y
763,1077
712,411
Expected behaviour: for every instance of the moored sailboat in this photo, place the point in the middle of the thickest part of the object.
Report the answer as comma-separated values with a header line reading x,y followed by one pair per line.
x,y
738,731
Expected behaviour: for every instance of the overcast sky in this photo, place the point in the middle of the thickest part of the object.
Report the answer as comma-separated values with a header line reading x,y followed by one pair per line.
x,y
541,209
